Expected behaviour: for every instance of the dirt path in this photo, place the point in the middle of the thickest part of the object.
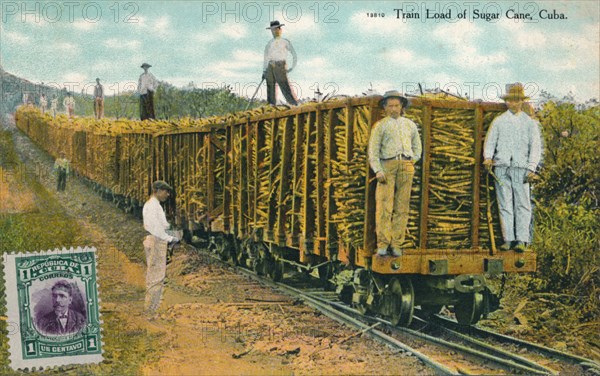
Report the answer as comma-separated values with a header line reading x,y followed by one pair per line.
x,y
212,320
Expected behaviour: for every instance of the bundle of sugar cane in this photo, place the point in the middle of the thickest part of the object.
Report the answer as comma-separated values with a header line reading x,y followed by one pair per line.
x,y
450,183
349,175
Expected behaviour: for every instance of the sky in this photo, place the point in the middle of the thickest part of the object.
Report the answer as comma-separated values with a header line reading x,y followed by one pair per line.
x,y
343,48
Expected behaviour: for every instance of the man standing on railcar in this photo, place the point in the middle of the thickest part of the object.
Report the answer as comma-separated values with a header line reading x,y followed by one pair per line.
x,y
155,245
99,99
394,147
513,147
147,85
275,66
69,104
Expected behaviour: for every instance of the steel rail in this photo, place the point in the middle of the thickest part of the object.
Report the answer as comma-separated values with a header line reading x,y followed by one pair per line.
x,y
507,364
347,320
332,309
490,348
478,331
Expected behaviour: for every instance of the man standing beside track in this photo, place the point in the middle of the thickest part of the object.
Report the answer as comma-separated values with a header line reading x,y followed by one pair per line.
x,y
394,147
275,66
513,146
155,245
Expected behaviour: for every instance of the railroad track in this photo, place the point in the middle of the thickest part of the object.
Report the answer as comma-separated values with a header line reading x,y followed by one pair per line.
x,y
439,342
477,333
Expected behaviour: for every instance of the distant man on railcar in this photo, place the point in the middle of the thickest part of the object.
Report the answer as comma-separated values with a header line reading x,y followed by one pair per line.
x,y
394,147
69,104
155,245
147,85
275,67
513,147
99,99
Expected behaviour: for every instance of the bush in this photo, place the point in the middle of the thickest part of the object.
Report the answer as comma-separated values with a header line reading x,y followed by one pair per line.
x,y
567,221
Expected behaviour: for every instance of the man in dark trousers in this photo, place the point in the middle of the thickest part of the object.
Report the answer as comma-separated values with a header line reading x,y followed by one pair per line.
x,y
99,99
275,65
63,319
147,84
61,166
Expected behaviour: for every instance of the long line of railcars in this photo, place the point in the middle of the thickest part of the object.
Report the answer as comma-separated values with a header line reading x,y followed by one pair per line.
x,y
277,187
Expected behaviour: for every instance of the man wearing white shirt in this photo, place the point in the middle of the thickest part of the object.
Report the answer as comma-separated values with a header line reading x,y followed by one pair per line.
x,y
147,85
54,105
513,147
394,147
275,65
155,245
69,104
43,103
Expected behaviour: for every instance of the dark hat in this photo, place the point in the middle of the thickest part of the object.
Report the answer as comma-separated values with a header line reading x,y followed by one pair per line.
x,y
394,94
161,184
145,65
275,25
515,91
97,79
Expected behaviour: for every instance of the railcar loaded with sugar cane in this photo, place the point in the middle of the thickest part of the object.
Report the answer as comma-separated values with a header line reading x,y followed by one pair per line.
x,y
274,188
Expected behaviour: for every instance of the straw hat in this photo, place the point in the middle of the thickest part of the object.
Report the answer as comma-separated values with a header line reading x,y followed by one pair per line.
x,y
515,91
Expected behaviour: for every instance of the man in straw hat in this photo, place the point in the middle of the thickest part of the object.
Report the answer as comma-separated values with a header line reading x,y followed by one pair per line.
x,y
147,84
513,147
275,65
155,245
394,147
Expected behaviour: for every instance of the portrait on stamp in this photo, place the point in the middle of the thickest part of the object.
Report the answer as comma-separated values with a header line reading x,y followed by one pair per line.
x,y
59,308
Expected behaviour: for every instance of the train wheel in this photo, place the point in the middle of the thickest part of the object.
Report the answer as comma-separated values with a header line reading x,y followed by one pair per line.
x,y
242,254
469,308
258,265
326,272
403,301
429,310
362,289
274,269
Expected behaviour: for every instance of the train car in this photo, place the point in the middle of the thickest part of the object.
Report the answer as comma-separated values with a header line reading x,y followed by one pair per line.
x,y
276,188
298,190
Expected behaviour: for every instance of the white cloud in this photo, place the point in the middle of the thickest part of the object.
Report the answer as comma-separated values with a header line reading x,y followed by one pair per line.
x,y
305,25
457,34
237,66
73,77
15,37
122,44
403,56
65,48
84,25
248,56
383,26
470,57
162,26
235,32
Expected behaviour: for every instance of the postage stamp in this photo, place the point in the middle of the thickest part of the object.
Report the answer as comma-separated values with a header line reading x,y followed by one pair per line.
x,y
53,308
